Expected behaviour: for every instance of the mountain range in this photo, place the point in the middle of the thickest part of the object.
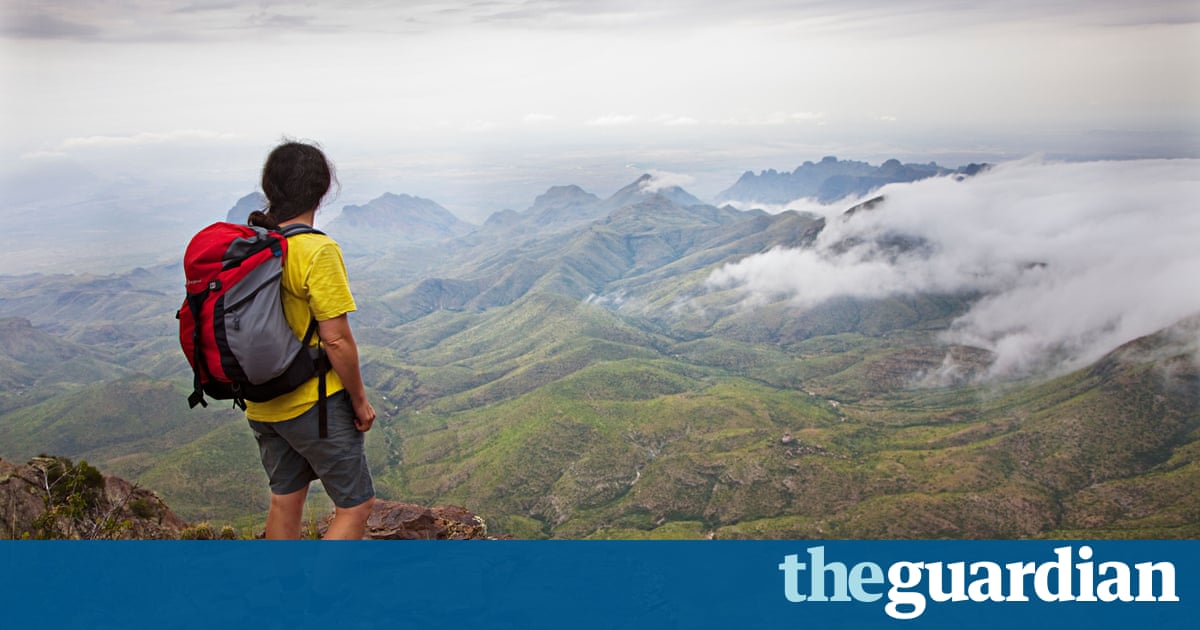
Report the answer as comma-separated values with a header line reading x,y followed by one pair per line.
x,y
832,179
570,371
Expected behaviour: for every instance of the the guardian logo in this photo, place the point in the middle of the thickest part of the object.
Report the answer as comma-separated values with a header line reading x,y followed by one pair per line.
x,y
1070,577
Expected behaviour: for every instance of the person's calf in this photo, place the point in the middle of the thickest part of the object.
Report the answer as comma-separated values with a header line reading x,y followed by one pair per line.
x,y
350,523
285,514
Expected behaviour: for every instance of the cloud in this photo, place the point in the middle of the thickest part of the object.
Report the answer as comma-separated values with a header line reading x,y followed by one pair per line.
x,y
163,20
664,179
677,121
281,21
43,26
612,120
43,155
168,22
147,138
477,126
1073,259
777,118
535,118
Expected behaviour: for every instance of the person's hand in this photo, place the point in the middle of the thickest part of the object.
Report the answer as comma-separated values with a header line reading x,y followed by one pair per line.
x,y
364,415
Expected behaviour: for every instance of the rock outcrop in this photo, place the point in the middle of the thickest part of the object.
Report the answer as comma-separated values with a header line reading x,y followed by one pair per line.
x,y
51,497
393,520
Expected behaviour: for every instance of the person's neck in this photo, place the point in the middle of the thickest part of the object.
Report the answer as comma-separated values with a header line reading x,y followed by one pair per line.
x,y
307,219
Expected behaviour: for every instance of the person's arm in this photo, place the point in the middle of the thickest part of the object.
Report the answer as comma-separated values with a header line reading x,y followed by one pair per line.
x,y
343,357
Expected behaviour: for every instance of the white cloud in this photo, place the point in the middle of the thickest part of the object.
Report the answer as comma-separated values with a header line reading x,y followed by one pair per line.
x,y
805,116
43,155
665,179
100,68
536,118
476,126
1074,259
677,121
776,118
223,20
145,138
612,120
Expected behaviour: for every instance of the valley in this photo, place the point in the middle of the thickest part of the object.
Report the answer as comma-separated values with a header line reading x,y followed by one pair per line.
x,y
574,371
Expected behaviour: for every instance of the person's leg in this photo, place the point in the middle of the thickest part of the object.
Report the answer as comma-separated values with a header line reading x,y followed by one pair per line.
x,y
350,523
285,514
339,460
289,474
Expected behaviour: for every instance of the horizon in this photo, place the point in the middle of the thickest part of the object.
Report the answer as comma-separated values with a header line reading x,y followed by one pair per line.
x,y
152,116
481,106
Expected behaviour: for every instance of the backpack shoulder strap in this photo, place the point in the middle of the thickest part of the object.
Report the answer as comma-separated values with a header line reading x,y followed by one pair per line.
x,y
293,229
287,231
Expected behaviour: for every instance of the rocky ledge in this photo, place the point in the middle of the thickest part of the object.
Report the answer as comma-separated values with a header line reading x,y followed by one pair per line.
x,y
53,497
393,520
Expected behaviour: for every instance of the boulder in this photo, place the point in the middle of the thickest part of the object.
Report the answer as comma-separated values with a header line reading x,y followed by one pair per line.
x,y
394,520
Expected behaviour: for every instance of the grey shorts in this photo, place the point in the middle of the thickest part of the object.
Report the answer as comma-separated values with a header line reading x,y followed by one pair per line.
x,y
294,455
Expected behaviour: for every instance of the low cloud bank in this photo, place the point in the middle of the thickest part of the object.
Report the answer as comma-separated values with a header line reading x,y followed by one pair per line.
x,y
1074,259
659,180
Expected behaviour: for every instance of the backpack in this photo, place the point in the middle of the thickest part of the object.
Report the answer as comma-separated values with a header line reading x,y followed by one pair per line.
x,y
232,327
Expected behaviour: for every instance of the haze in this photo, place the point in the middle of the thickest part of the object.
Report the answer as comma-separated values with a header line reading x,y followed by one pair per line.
x,y
483,105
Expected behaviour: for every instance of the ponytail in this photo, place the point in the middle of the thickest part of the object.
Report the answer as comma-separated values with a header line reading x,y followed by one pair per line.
x,y
262,219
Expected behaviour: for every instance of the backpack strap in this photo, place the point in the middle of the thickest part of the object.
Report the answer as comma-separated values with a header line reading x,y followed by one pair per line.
x,y
293,229
322,405
289,230
197,396
322,368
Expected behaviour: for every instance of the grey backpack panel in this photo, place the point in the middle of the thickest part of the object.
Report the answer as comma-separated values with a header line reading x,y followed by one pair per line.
x,y
257,330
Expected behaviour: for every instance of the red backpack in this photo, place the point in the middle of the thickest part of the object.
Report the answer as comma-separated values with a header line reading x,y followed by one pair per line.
x,y
232,326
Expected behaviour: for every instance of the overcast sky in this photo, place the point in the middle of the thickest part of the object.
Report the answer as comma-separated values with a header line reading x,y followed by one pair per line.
x,y
462,100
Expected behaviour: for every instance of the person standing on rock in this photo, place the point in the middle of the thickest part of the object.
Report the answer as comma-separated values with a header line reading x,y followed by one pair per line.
x,y
315,286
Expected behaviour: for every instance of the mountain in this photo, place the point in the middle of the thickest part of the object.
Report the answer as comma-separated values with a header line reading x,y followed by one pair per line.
x,y
561,205
35,365
576,256
570,371
646,187
565,207
391,219
829,180
837,444
244,206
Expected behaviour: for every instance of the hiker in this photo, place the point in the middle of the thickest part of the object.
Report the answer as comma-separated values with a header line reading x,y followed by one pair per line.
x,y
295,178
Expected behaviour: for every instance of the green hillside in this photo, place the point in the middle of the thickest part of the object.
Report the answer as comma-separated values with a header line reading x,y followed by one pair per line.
x,y
623,447
583,380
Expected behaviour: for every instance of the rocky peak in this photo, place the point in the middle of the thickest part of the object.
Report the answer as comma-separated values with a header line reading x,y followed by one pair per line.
x,y
645,188
561,202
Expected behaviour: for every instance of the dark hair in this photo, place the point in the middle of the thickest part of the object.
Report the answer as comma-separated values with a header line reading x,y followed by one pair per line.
x,y
295,178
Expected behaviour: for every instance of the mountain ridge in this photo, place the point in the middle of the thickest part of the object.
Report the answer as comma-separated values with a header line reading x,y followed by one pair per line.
x,y
575,374
831,179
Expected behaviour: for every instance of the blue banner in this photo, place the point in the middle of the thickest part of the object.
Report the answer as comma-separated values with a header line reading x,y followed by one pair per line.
x,y
600,584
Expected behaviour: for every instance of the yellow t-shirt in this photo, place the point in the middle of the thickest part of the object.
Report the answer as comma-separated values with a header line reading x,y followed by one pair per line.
x,y
315,285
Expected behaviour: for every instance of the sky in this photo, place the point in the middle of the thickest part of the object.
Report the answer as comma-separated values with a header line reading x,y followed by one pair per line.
x,y
483,105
